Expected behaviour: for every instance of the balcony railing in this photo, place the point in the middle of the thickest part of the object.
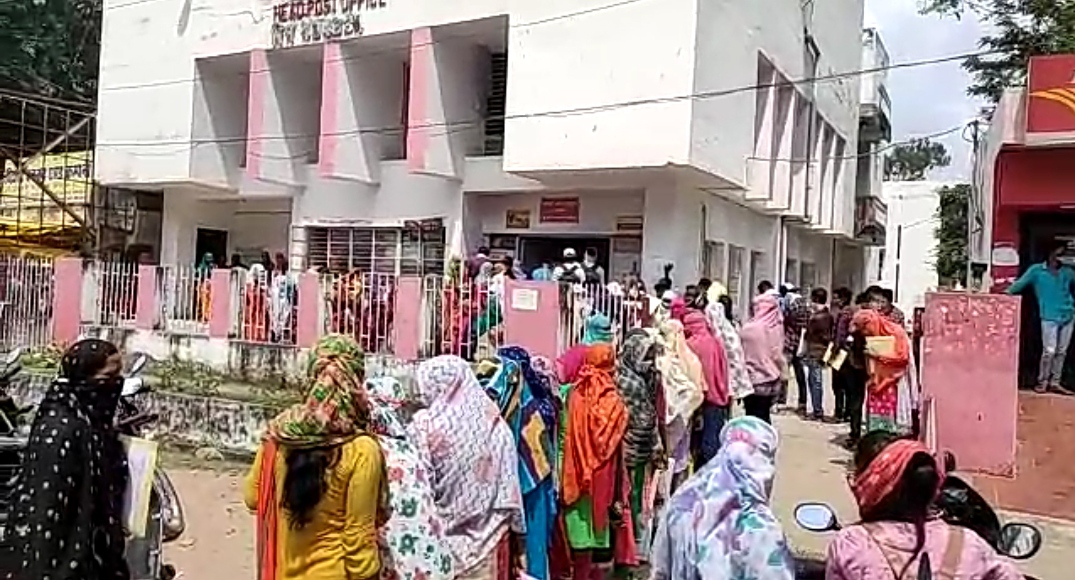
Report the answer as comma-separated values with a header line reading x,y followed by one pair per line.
x,y
871,215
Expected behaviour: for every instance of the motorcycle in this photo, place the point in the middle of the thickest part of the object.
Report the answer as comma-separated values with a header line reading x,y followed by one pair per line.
x,y
145,555
958,505
166,519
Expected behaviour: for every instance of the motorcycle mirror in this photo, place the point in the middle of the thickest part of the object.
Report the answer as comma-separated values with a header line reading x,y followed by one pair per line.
x,y
1019,541
816,517
949,462
13,356
138,364
132,386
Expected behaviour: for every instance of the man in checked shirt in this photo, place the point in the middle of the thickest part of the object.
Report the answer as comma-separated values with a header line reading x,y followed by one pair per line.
x,y
797,312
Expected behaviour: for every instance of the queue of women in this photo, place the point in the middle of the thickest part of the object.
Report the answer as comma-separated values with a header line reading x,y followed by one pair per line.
x,y
618,453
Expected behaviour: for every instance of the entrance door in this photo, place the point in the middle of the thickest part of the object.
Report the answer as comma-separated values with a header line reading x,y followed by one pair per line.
x,y
210,241
1038,231
533,250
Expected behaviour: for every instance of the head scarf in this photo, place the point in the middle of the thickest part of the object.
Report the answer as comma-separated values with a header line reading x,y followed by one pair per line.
x,y
205,265
570,363
888,369
710,352
336,407
472,454
738,377
257,274
413,541
883,474
73,478
719,523
598,329
681,372
541,388
597,421
678,308
636,380
763,340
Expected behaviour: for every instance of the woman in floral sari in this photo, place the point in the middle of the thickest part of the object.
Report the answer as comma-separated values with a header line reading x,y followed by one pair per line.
x,y
889,398
473,468
638,383
204,277
413,542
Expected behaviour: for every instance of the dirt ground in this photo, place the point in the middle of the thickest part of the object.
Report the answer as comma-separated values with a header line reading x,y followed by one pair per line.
x,y
219,543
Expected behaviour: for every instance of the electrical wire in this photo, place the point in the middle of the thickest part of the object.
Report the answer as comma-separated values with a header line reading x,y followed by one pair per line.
x,y
452,126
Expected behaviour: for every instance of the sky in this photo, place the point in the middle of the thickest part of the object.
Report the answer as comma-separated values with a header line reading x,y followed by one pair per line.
x,y
933,98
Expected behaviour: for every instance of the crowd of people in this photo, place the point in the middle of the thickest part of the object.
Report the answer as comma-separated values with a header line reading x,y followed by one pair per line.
x,y
623,451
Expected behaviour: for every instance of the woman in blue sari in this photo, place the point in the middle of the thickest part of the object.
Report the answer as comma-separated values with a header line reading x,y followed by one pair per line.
x,y
526,401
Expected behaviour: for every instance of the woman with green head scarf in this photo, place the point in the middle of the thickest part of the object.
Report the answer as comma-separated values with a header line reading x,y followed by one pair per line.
x,y
318,483
598,329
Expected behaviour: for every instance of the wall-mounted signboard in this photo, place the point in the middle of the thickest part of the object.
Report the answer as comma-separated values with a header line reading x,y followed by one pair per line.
x,y
299,22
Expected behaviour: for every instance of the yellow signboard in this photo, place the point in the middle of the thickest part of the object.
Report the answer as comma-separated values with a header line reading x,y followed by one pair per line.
x,y
68,175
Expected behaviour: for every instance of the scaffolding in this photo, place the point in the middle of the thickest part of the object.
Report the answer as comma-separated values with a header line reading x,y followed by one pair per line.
x,y
48,198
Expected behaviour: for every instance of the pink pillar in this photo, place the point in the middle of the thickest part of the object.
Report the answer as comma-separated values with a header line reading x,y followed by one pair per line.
x,y
308,324
145,310
255,116
970,371
331,74
407,318
532,316
419,127
220,320
66,300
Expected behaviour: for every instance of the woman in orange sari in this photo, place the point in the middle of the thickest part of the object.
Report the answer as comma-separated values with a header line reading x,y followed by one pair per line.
x,y
593,430
889,399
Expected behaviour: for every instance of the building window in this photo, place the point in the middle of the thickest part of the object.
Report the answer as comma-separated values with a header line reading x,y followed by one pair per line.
x,y
735,275
713,260
808,276
417,249
496,104
791,271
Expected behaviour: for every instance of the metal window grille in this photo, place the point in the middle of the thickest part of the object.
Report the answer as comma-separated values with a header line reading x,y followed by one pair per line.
x,y
414,250
496,104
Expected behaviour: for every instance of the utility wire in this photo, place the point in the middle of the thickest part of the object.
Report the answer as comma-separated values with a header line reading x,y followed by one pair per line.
x,y
450,127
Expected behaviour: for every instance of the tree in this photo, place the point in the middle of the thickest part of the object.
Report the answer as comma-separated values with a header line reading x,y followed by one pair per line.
x,y
1016,30
51,48
911,161
950,256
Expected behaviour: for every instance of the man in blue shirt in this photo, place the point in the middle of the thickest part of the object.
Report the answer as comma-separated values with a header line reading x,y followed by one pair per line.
x,y
1052,283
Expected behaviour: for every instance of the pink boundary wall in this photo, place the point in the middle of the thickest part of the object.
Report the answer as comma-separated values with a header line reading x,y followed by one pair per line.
x,y
331,73
145,313
255,119
407,318
532,316
66,300
970,367
308,324
418,122
220,319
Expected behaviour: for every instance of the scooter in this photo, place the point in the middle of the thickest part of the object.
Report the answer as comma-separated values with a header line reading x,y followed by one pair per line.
x,y
145,555
959,505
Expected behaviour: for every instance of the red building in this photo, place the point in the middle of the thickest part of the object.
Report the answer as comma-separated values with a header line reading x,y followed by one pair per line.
x,y
1025,181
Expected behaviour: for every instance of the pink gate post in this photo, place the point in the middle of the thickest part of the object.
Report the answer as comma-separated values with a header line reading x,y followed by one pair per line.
x,y
970,368
532,316
407,318
66,300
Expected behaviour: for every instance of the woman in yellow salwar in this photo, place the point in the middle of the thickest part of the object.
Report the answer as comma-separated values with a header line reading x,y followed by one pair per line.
x,y
204,288
318,483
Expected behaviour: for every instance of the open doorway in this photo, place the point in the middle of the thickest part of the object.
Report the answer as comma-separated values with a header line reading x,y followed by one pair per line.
x,y
1038,231
533,250
210,241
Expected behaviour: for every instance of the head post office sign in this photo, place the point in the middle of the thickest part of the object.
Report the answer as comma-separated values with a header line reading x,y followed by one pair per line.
x,y
299,22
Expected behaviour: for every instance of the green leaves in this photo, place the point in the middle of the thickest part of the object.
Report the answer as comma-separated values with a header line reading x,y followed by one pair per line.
x,y
51,47
913,160
951,253
1016,30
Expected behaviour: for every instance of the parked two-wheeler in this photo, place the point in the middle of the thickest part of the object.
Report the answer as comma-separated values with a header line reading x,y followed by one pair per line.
x,y
958,504
145,555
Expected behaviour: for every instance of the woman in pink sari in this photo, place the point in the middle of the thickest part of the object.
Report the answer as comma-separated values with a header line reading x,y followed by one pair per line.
x,y
710,352
763,347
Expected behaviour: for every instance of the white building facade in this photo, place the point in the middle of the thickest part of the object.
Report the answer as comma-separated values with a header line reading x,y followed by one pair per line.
x,y
387,135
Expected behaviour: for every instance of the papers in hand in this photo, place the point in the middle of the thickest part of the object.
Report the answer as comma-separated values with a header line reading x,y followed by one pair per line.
x,y
142,464
880,345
